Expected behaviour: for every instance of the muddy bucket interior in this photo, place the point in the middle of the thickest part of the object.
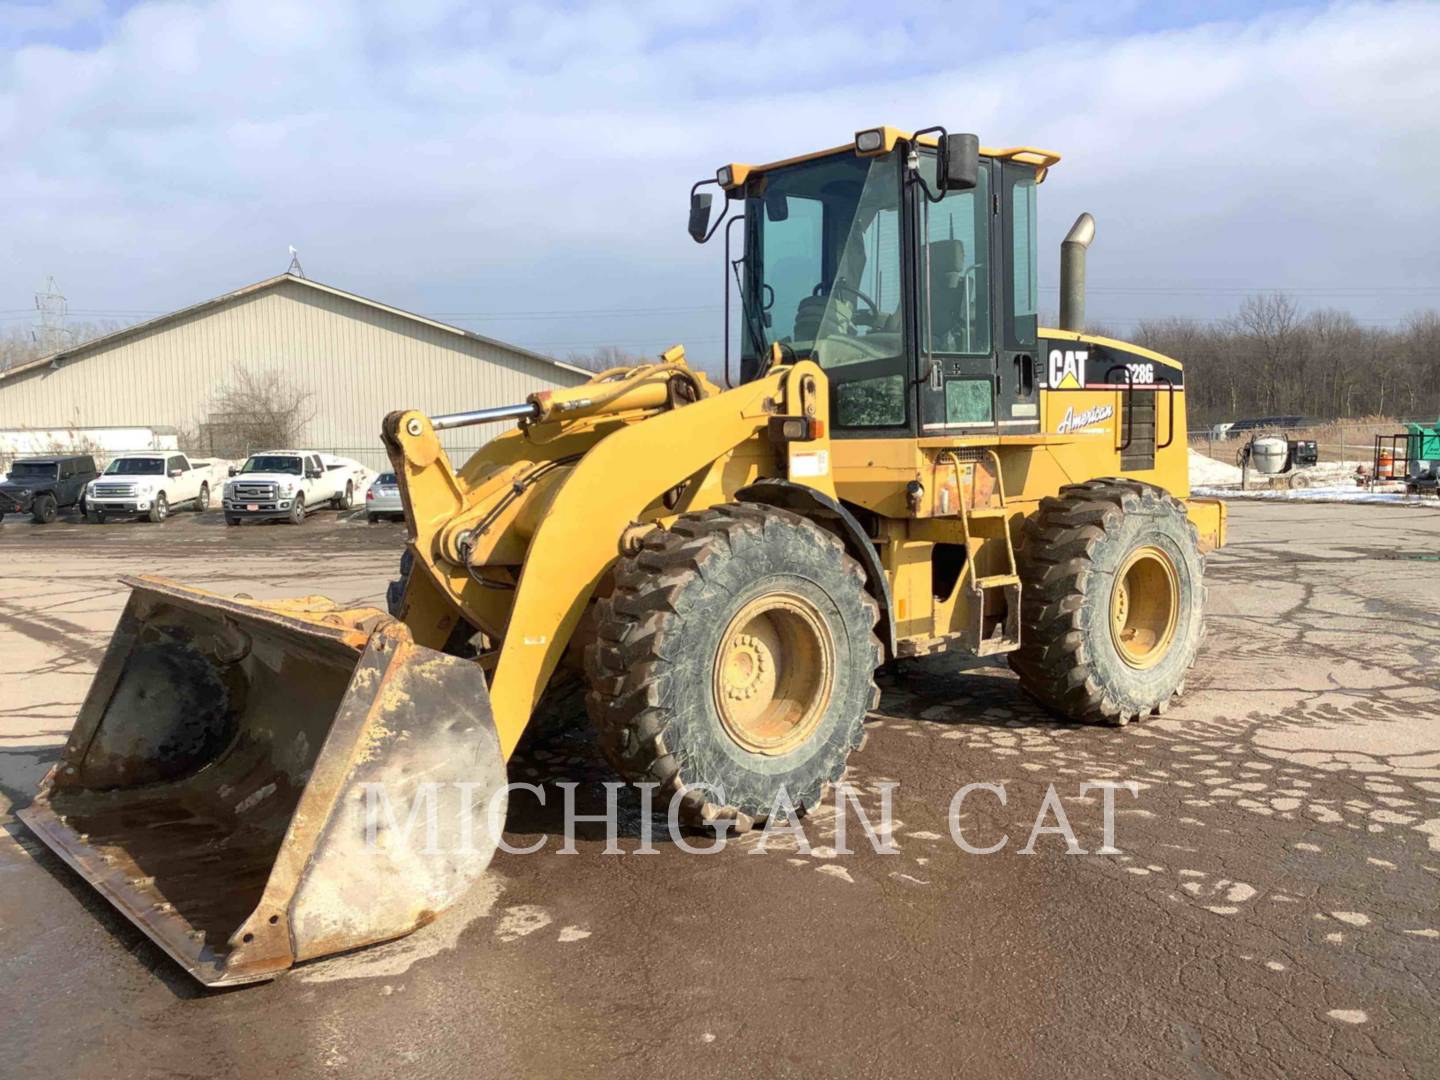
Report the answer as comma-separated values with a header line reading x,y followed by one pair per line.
x,y
255,785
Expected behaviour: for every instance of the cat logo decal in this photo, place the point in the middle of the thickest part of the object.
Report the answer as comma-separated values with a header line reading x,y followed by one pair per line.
x,y
1067,369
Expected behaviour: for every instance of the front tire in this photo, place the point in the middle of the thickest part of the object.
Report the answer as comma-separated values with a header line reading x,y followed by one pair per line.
x,y
297,510
1112,601
44,509
159,509
736,656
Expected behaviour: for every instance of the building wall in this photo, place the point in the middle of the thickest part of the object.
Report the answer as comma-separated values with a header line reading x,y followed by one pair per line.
x,y
100,443
358,362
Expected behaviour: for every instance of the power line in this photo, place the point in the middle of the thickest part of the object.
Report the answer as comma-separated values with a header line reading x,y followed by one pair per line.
x,y
672,340
1229,290
597,313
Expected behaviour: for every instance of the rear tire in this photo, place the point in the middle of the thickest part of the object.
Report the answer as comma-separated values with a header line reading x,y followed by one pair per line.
x,y
372,518
202,501
159,509
347,500
736,655
297,510
1112,601
44,509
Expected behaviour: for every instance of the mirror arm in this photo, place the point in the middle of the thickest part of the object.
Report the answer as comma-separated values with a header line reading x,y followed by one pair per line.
x,y
941,162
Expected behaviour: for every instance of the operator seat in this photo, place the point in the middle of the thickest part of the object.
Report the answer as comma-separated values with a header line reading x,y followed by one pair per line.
x,y
949,295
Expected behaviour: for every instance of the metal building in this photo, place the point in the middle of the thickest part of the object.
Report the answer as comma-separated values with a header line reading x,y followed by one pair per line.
x,y
358,358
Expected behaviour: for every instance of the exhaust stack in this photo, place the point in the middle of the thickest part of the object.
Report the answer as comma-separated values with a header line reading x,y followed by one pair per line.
x,y
1072,273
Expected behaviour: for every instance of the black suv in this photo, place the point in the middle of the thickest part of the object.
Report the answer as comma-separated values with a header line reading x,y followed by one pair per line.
x,y
42,487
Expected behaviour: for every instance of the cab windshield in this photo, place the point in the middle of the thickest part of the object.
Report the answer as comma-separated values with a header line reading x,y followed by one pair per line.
x,y
822,277
273,463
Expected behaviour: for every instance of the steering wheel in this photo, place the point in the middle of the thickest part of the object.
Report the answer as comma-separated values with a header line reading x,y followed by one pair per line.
x,y
840,286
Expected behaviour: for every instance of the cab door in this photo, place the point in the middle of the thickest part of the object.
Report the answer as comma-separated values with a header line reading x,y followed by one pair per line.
x,y
960,387
976,298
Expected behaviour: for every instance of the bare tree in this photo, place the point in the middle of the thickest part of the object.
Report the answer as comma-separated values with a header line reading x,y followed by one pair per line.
x,y
606,357
1269,360
21,345
18,347
254,410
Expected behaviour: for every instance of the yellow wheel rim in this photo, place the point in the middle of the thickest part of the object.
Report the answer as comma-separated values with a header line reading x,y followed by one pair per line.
x,y
774,673
1145,607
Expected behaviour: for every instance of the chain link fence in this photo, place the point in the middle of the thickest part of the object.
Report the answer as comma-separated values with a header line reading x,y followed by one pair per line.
x,y
1349,442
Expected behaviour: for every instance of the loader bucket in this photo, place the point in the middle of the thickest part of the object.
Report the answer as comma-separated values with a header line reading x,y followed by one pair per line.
x,y
257,784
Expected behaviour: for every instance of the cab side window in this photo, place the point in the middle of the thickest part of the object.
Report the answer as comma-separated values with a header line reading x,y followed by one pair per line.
x,y
955,268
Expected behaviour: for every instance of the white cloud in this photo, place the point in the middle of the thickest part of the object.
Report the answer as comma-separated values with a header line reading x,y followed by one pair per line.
x,y
449,158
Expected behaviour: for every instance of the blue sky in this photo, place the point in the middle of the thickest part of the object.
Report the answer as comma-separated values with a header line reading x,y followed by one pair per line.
x,y
523,168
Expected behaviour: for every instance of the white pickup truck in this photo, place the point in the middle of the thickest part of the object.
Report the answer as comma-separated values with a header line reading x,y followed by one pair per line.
x,y
288,484
149,483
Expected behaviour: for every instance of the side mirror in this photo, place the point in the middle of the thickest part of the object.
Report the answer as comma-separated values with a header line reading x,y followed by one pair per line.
x,y
314,474
234,471
962,162
699,215
777,206
176,473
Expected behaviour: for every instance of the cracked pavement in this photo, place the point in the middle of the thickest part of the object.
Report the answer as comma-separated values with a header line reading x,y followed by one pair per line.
x,y
1274,908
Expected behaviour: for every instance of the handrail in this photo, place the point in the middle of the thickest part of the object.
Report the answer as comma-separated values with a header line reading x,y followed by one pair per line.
x,y
1170,392
726,271
1129,402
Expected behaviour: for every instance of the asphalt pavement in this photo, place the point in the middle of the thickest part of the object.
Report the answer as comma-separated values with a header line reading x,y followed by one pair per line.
x,y
1273,908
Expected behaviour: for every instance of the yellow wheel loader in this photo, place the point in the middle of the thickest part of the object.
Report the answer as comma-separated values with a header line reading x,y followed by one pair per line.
x,y
905,464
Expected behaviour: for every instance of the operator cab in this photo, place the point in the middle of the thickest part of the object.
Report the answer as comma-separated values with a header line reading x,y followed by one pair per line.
x,y
905,266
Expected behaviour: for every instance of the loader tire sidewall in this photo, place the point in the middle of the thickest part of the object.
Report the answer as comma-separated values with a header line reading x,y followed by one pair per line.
x,y
1075,545
652,669
1140,689
750,780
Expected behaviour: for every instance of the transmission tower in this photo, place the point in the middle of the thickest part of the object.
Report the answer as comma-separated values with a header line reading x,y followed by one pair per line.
x,y
51,333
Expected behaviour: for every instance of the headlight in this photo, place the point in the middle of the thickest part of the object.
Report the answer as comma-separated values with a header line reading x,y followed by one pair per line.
x,y
870,142
287,489
724,176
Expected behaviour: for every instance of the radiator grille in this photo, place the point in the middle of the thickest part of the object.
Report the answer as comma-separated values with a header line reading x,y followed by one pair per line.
x,y
253,491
